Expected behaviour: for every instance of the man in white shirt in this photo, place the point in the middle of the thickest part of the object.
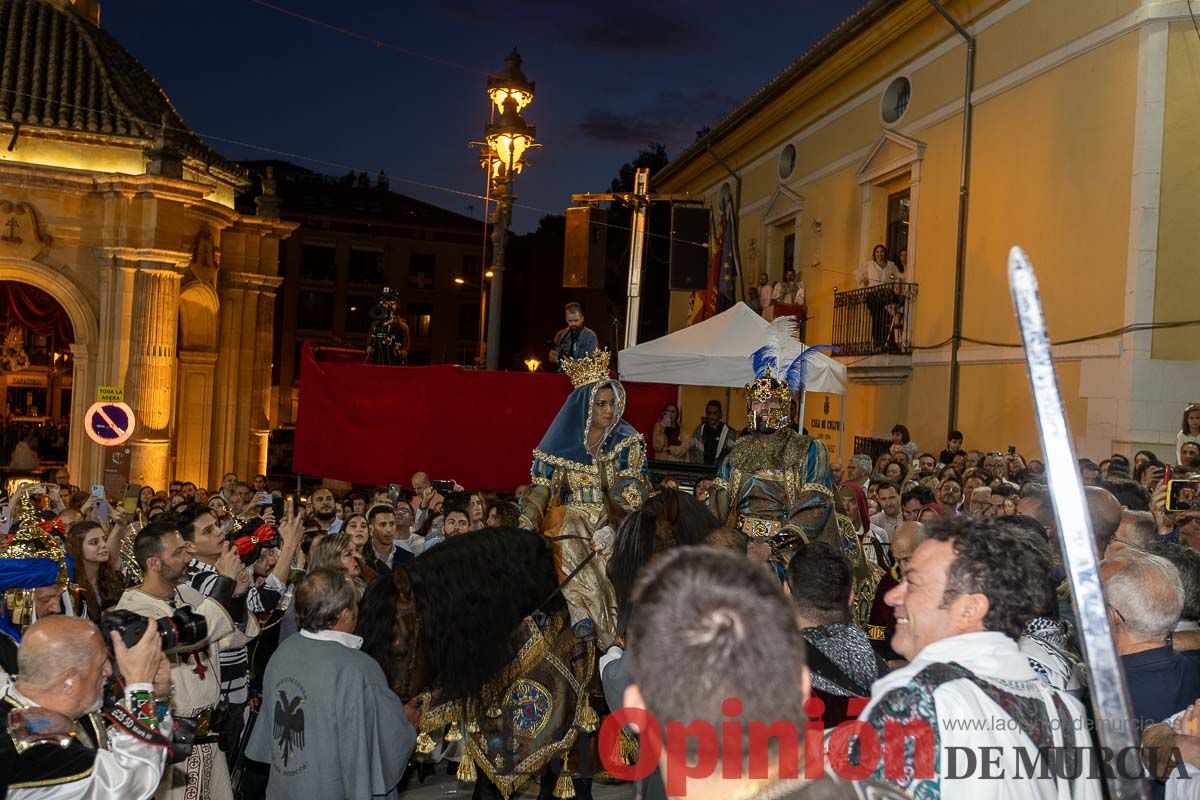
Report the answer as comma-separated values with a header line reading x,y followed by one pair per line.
x,y
890,514
972,712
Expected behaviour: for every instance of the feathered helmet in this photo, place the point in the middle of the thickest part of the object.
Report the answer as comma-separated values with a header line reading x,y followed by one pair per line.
x,y
780,372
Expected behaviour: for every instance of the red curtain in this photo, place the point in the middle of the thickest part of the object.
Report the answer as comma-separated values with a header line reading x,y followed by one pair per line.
x,y
32,308
379,425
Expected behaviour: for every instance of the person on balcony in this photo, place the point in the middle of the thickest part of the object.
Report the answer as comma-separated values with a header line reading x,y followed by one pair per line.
x,y
879,272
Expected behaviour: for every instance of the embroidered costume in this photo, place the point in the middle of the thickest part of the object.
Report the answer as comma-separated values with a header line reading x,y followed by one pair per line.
x,y
576,492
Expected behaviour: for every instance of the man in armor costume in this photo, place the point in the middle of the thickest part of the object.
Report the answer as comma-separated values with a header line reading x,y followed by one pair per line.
x,y
775,485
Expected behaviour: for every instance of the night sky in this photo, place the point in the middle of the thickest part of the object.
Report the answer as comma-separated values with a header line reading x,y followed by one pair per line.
x,y
611,77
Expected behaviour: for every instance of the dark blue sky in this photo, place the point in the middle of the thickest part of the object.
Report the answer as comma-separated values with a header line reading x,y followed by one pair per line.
x,y
611,77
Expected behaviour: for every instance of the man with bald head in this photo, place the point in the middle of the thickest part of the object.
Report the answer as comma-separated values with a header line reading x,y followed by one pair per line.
x,y
882,621
1105,511
908,535
63,666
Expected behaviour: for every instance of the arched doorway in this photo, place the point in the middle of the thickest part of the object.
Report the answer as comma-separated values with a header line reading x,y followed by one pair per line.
x,y
36,378
197,353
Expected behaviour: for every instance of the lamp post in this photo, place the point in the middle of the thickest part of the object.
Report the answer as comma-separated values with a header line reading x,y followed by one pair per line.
x,y
508,138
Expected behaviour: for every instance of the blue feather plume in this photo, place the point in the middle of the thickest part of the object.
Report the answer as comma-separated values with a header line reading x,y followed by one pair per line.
x,y
797,371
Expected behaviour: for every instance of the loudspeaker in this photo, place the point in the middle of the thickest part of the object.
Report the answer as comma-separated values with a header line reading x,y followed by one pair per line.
x,y
689,248
586,245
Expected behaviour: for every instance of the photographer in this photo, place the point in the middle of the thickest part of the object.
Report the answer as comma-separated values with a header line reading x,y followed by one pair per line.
x,y
54,743
389,340
162,555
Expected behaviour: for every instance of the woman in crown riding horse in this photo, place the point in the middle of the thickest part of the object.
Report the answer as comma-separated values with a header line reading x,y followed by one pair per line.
x,y
588,471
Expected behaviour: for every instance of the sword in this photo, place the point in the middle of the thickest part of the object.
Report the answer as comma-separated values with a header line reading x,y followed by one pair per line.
x,y
1110,703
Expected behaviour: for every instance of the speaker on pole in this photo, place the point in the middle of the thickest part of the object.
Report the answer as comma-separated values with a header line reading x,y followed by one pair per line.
x,y
689,248
584,252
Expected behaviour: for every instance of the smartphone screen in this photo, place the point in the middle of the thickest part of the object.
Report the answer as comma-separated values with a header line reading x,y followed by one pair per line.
x,y
130,503
277,509
1182,494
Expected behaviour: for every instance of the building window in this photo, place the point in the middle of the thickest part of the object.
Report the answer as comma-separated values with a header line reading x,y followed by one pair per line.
x,y
789,253
422,268
895,100
315,310
317,263
420,320
358,313
366,266
787,161
897,230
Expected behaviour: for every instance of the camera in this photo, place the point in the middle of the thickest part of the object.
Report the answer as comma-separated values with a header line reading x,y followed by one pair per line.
x,y
179,632
385,305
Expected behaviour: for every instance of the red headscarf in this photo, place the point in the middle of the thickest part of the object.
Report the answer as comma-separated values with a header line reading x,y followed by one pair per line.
x,y
860,500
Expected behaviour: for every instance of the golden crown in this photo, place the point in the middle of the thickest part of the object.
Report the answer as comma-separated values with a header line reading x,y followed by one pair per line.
x,y
767,387
31,540
588,370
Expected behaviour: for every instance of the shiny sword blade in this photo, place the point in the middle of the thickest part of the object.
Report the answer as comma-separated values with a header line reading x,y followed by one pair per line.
x,y
1110,703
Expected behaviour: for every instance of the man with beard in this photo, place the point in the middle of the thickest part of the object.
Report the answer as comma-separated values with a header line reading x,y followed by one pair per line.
x,y
162,556
324,509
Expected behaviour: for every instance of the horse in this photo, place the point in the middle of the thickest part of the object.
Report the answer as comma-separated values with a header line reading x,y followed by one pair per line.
x,y
477,629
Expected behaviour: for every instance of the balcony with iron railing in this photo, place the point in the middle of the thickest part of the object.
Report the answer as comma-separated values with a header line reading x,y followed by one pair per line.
x,y
876,322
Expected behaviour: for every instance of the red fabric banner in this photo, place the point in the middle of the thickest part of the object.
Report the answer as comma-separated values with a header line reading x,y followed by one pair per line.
x,y
379,425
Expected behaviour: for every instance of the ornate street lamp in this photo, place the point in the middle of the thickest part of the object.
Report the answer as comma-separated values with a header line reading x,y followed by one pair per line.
x,y
508,137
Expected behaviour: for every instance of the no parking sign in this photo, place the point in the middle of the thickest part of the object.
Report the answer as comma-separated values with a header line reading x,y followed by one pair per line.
x,y
109,424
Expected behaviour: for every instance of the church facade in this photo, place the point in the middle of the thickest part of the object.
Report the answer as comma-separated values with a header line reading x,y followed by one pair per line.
x,y
113,207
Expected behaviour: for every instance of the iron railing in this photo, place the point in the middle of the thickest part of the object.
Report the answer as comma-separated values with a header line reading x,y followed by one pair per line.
x,y
874,320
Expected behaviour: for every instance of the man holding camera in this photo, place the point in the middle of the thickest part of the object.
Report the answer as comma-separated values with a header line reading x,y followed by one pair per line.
x,y
53,741
203,626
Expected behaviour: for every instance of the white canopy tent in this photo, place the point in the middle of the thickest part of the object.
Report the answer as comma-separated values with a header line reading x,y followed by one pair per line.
x,y
717,352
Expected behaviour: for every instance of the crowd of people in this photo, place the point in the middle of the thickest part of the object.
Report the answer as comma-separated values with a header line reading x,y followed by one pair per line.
x,y
204,642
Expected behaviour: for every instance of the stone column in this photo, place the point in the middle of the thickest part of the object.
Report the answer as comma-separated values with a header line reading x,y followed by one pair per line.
x,y
149,387
225,387
260,388
83,456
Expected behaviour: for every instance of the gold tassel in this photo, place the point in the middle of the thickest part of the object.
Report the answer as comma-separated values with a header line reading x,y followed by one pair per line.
x,y
589,720
472,726
425,743
494,712
466,769
453,734
629,748
564,789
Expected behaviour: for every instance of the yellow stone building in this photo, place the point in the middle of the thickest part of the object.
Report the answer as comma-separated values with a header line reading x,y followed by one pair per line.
x,y
110,204
1083,152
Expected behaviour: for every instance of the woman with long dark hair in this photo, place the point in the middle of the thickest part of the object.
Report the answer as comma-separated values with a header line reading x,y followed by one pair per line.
x,y
100,586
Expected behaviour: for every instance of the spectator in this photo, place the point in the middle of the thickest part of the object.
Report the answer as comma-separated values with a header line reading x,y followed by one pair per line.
x,y
64,665
954,443
1189,456
900,436
696,613
99,585
858,470
1105,513
713,439
406,536
1003,500
504,515
840,657
926,466
359,530
1145,601
1129,493
1189,430
981,502
914,500
1089,471
890,513
576,341
872,539
668,436
324,510
966,597
1137,530
338,729
382,550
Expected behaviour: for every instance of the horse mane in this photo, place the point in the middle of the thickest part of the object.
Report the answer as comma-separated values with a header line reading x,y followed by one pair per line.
x,y
377,624
668,519
472,592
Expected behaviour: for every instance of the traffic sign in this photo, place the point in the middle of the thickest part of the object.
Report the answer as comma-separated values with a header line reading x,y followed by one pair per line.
x,y
109,424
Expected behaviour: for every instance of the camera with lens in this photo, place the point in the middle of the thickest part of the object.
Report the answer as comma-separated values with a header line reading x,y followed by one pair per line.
x,y
385,305
180,632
